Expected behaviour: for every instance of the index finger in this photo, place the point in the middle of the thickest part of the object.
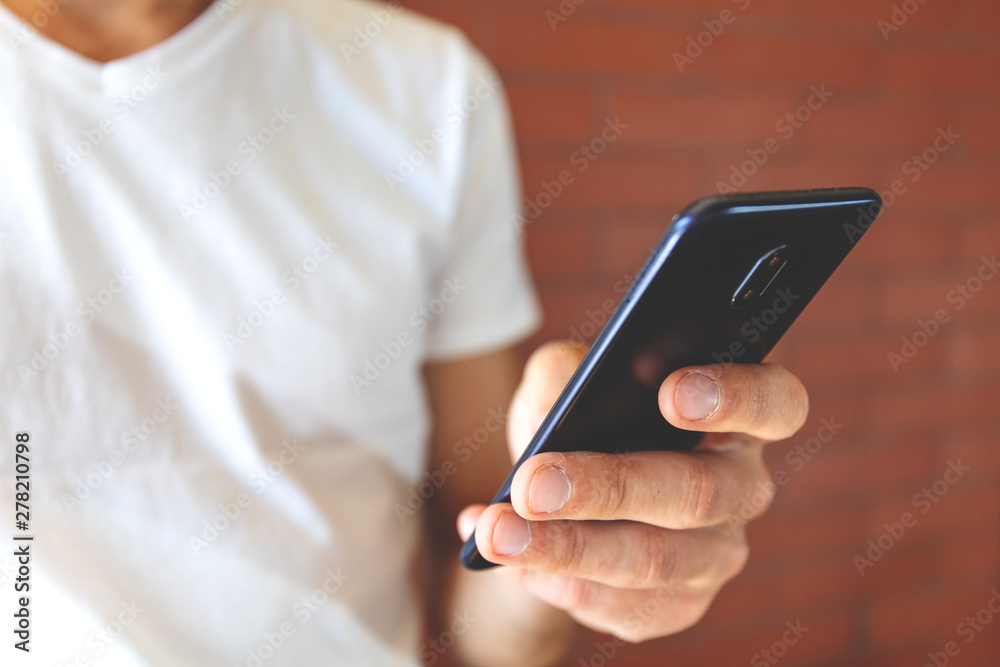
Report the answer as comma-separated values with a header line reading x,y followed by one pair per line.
x,y
675,490
762,400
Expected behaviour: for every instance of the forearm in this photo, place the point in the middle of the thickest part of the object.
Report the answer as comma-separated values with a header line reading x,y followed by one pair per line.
x,y
507,626
486,619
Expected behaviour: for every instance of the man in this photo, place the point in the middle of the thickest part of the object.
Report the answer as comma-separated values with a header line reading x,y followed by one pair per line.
x,y
261,290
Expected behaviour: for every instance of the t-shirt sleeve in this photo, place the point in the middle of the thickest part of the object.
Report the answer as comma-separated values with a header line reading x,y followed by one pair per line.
x,y
493,300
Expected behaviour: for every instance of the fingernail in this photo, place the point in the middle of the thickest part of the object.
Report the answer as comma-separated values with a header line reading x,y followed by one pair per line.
x,y
549,490
697,396
512,535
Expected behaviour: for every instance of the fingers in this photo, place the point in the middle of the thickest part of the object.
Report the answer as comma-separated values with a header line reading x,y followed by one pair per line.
x,y
765,401
632,615
665,489
619,554
545,375
466,521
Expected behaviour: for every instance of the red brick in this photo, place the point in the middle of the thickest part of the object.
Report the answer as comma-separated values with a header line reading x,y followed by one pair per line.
x,y
971,557
846,302
610,181
906,565
747,595
583,45
551,112
559,248
793,61
788,171
941,72
793,534
685,133
973,443
907,297
986,17
962,507
628,241
837,471
981,127
975,353
926,614
866,126
941,17
946,184
982,238
815,584
826,636
905,300
852,360
566,307
909,234
741,119
709,9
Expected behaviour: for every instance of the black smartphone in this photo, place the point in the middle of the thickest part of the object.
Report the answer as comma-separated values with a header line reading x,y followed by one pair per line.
x,y
727,279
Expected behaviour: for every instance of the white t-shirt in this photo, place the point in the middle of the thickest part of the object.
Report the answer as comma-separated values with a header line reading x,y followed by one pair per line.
x,y
223,262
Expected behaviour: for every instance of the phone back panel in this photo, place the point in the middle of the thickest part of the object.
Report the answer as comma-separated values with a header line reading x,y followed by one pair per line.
x,y
680,311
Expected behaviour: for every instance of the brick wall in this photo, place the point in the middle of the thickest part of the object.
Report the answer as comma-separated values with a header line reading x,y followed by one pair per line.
x,y
687,131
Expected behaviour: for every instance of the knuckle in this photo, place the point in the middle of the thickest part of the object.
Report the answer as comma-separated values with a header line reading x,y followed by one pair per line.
x,y
701,491
575,593
756,406
568,556
799,405
658,560
615,486
764,492
735,559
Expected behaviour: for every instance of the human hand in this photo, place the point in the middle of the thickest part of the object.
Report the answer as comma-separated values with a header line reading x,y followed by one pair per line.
x,y
638,544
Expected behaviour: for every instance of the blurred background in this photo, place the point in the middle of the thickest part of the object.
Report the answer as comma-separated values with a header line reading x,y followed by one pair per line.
x,y
854,92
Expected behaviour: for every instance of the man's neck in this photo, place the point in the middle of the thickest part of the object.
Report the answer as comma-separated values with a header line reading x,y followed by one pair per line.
x,y
105,30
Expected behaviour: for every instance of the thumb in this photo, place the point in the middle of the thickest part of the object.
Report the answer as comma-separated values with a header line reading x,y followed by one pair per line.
x,y
545,375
